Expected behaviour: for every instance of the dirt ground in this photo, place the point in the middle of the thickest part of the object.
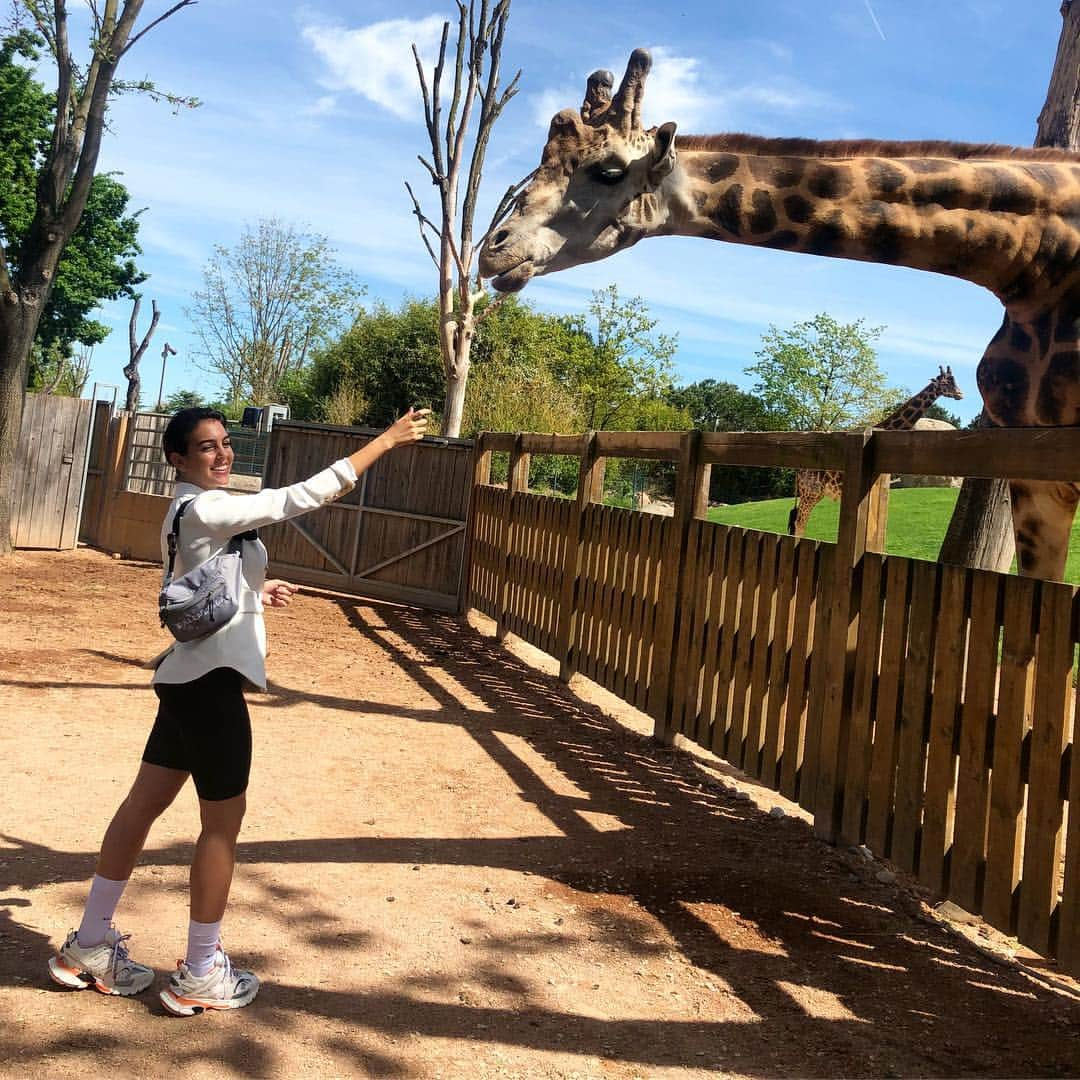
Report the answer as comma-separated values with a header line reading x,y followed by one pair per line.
x,y
454,867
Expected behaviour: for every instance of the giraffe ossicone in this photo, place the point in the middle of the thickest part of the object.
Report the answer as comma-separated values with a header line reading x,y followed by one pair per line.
x,y
1004,218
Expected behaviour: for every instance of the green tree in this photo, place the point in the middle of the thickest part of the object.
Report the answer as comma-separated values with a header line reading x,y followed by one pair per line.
x,y
98,262
63,168
267,304
613,361
388,358
721,406
820,375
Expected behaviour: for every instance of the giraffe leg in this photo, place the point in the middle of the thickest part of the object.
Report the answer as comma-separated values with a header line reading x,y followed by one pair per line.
x,y
1043,513
804,509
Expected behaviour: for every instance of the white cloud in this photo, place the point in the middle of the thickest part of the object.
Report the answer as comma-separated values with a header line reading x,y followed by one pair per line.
x,y
322,106
674,91
376,61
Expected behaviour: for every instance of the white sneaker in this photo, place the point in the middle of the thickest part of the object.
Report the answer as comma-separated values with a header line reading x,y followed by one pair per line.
x,y
106,967
223,987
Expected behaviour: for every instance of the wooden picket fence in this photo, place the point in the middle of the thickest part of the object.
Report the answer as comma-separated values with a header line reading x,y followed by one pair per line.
x,y
927,711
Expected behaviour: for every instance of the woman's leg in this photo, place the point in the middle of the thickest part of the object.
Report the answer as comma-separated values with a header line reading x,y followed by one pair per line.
x,y
151,794
215,856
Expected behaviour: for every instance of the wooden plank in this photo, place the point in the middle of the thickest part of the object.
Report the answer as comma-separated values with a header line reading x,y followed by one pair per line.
x,y
567,445
1006,453
687,485
590,489
1041,872
914,713
968,856
766,611
686,668
840,624
656,530
1015,700
646,445
1068,943
882,782
860,734
816,672
778,665
940,801
795,707
723,538
729,622
789,449
631,637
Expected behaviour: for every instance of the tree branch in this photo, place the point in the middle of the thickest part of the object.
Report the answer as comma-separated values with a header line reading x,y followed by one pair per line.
x,y
160,19
491,308
422,220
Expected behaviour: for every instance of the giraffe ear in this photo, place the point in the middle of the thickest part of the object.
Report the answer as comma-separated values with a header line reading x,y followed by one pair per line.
x,y
663,153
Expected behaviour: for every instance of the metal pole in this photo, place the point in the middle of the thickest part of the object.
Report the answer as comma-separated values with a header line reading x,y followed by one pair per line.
x,y
166,349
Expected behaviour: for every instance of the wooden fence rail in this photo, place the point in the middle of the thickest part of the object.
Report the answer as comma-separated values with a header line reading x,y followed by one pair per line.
x,y
925,710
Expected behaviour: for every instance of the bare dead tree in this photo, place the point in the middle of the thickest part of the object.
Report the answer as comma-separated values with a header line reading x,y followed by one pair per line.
x,y
136,350
27,275
454,166
980,531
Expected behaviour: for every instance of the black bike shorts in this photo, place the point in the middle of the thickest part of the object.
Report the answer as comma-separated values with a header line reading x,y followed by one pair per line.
x,y
203,728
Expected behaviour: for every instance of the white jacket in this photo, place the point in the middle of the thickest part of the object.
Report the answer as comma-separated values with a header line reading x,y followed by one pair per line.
x,y
211,519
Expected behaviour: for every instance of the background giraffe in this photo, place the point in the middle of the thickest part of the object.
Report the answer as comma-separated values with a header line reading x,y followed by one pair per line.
x,y
813,485
1004,218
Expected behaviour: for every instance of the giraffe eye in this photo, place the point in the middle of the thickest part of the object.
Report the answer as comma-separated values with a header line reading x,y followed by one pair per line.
x,y
608,174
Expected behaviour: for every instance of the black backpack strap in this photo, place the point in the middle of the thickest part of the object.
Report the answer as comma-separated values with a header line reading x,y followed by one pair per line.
x,y
174,536
235,542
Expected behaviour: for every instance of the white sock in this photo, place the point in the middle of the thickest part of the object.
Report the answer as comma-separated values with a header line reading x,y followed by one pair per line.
x,y
100,907
202,942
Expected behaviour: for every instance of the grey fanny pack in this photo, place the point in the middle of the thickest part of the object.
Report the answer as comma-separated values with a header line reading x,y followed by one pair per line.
x,y
204,599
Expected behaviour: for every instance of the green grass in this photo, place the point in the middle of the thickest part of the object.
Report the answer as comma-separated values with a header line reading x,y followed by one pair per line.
x,y
918,518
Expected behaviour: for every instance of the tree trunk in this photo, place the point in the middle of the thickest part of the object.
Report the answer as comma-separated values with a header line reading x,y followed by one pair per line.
x,y
980,532
17,329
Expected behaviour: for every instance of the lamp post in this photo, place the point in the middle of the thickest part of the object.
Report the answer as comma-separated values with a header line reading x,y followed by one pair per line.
x,y
165,352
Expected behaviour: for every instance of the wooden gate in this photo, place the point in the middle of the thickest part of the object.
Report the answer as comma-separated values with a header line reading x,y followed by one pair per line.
x,y
398,535
50,469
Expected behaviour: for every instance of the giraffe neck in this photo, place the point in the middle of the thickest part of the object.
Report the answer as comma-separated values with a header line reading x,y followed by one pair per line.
x,y
914,409
1000,224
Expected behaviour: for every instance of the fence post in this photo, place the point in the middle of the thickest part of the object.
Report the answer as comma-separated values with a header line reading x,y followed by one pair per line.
x,y
517,483
691,493
842,597
590,489
481,474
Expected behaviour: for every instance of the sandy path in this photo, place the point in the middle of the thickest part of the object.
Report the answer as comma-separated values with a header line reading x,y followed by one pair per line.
x,y
454,867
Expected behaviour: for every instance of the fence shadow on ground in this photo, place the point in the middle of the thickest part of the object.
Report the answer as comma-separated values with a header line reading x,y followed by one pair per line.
x,y
873,981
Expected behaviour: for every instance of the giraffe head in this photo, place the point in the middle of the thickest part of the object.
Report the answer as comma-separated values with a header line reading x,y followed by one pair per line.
x,y
595,189
944,385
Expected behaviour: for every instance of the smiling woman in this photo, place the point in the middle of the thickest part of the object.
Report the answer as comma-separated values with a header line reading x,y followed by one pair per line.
x,y
202,729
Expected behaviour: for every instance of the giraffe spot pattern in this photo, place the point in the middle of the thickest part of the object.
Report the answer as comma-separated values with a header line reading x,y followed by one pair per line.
x,y
798,208
947,192
789,172
885,177
721,167
1020,339
1008,192
1053,402
785,238
762,214
728,212
1004,384
829,181
1067,329
826,238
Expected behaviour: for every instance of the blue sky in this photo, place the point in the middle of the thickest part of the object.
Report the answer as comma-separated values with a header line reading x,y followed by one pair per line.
x,y
311,114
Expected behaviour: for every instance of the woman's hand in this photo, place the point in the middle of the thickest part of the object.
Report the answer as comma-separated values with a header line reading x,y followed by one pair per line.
x,y
409,429
277,593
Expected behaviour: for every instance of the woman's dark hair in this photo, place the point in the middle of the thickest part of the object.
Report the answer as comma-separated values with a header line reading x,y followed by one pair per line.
x,y
180,427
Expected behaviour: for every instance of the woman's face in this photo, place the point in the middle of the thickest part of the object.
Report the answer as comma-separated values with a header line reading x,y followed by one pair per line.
x,y
209,457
